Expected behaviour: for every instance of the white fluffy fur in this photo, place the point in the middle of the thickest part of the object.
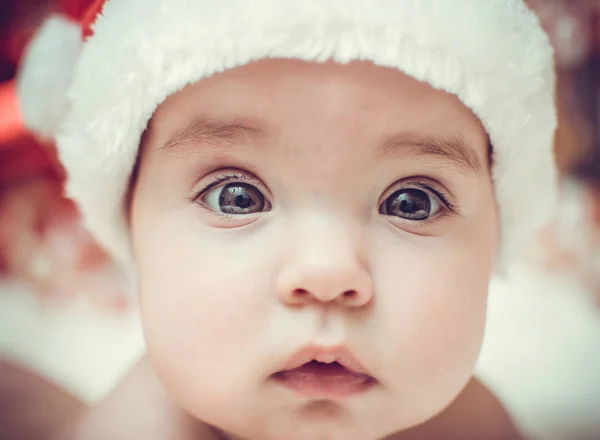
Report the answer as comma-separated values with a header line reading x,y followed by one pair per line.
x,y
46,74
492,54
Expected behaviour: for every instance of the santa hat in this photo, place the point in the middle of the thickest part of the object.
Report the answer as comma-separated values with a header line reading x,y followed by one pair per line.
x,y
492,54
47,67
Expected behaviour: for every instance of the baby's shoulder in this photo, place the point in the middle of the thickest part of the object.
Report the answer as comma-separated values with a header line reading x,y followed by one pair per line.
x,y
475,414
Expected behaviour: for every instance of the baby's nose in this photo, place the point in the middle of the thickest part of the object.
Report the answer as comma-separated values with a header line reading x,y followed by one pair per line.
x,y
326,266
326,282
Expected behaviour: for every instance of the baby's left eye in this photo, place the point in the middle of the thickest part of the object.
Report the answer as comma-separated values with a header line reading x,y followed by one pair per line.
x,y
411,204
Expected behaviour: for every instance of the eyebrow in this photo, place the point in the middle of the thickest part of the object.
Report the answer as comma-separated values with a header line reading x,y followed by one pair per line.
x,y
214,132
204,131
452,149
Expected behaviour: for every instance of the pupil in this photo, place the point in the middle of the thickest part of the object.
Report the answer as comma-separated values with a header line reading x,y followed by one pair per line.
x,y
408,206
411,204
243,201
240,198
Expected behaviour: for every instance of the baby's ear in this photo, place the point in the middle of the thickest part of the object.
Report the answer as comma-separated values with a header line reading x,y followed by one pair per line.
x,y
45,75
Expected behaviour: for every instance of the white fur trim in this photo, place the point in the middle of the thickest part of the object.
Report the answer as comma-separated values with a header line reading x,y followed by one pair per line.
x,y
46,73
492,54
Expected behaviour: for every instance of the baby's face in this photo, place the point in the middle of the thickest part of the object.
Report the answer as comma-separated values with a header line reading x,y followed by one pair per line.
x,y
314,244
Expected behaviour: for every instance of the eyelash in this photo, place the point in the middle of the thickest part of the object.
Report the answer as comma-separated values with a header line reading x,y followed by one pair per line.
x,y
222,179
440,193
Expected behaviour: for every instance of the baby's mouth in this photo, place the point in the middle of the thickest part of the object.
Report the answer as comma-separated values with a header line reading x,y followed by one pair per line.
x,y
324,380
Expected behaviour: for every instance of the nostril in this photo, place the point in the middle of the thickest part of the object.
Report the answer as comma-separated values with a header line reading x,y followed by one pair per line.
x,y
300,292
350,293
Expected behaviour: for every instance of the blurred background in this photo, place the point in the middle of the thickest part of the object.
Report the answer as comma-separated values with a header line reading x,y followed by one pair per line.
x,y
69,329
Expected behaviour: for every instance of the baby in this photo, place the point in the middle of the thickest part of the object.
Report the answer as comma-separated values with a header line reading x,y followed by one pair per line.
x,y
313,196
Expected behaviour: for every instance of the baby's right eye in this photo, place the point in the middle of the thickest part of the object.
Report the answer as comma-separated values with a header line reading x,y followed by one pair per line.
x,y
237,198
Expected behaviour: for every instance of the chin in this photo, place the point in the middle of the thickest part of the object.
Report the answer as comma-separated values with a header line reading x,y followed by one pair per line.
x,y
318,420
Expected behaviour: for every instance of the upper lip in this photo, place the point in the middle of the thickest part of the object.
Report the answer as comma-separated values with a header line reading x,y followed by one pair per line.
x,y
326,355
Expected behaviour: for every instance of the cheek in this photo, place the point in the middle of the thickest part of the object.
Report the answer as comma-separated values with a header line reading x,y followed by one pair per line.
x,y
202,304
433,298
437,313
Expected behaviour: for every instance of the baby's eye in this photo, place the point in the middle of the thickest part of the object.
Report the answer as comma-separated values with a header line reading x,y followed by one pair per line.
x,y
236,199
411,204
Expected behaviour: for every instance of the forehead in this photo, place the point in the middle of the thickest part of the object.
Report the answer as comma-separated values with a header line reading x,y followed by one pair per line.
x,y
299,98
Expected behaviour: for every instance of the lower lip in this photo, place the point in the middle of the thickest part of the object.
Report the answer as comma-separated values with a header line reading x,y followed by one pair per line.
x,y
317,380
